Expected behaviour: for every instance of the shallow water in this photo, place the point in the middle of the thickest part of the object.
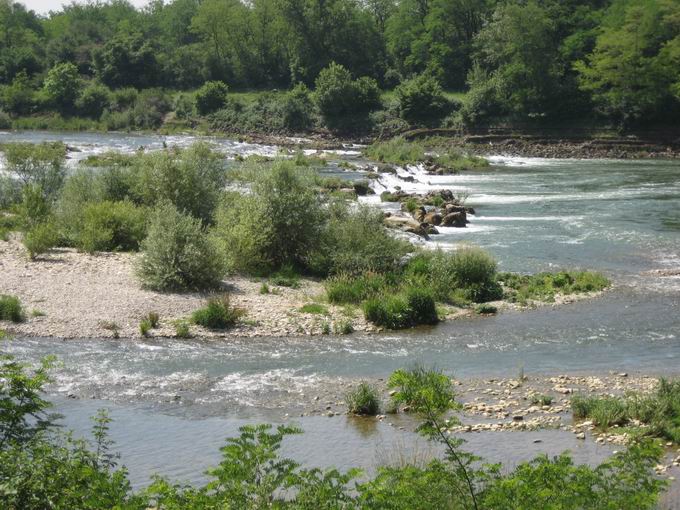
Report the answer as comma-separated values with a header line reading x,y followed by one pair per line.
x,y
619,217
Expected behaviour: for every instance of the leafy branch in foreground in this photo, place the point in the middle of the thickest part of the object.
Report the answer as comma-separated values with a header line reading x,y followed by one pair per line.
x,y
430,394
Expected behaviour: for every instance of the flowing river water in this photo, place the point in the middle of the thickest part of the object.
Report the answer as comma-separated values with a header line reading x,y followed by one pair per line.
x,y
174,401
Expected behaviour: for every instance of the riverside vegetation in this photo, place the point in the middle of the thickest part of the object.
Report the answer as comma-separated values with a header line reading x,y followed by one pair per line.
x,y
378,67
40,463
174,207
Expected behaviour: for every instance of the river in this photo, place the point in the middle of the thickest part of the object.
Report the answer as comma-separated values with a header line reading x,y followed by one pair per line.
x,y
175,401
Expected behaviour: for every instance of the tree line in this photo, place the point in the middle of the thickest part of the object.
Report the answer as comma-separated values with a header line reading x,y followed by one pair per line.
x,y
527,59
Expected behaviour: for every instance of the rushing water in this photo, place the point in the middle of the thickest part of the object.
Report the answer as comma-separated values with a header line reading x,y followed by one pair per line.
x,y
619,217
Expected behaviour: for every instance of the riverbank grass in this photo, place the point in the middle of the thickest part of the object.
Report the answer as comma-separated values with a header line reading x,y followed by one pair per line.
x,y
399,151
545,287
11,309
363,400
656,414
217,314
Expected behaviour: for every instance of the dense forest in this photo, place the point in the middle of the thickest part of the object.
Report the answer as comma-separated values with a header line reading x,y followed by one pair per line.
x,y
611,61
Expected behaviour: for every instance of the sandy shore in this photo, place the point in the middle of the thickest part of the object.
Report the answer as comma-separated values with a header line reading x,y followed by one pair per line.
x,y
80,293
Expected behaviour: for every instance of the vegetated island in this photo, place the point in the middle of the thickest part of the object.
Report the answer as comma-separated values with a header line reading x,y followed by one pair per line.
x,y
173,243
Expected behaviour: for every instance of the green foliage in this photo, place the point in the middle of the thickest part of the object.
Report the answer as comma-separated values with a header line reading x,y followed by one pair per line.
x,y
192,179
41,165
286,277
217,314
19,97
486,309
399,151
182,329
298,109
467,274
632,71
278,225
40,238
363,400
211,97
421,99
144,327
413,307
355,241
153,319
541,400
338,96
546,286
396,150
109,226
62,85
314,308
177,253
23,411
11,309
343,327
93,100
150,109
349,289
622,482
659,411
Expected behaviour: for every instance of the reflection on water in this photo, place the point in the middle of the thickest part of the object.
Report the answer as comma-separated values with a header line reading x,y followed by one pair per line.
x,y
183,449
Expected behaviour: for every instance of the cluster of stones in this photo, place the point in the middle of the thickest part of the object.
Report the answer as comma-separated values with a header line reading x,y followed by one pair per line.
x,y
426,217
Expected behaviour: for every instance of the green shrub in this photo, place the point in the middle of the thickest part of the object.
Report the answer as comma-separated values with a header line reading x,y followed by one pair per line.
x,y
545,286
355,241
124,98
343,327
541,400
348,289
11,309
177,254
145,327
153,318
397,151
279,224
363,400
18,98
421,306
93,100
182,329
211,97
5,120
110,226
286,277
40,165
410,308
264,288
337,95
217,314
62,85
298,109
391,312
184,107
150,108
40,239
192,179
468,274
314,308
486,309
421,99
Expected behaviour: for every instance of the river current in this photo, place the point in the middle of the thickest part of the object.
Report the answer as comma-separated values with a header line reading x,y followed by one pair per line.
x,y
619,217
